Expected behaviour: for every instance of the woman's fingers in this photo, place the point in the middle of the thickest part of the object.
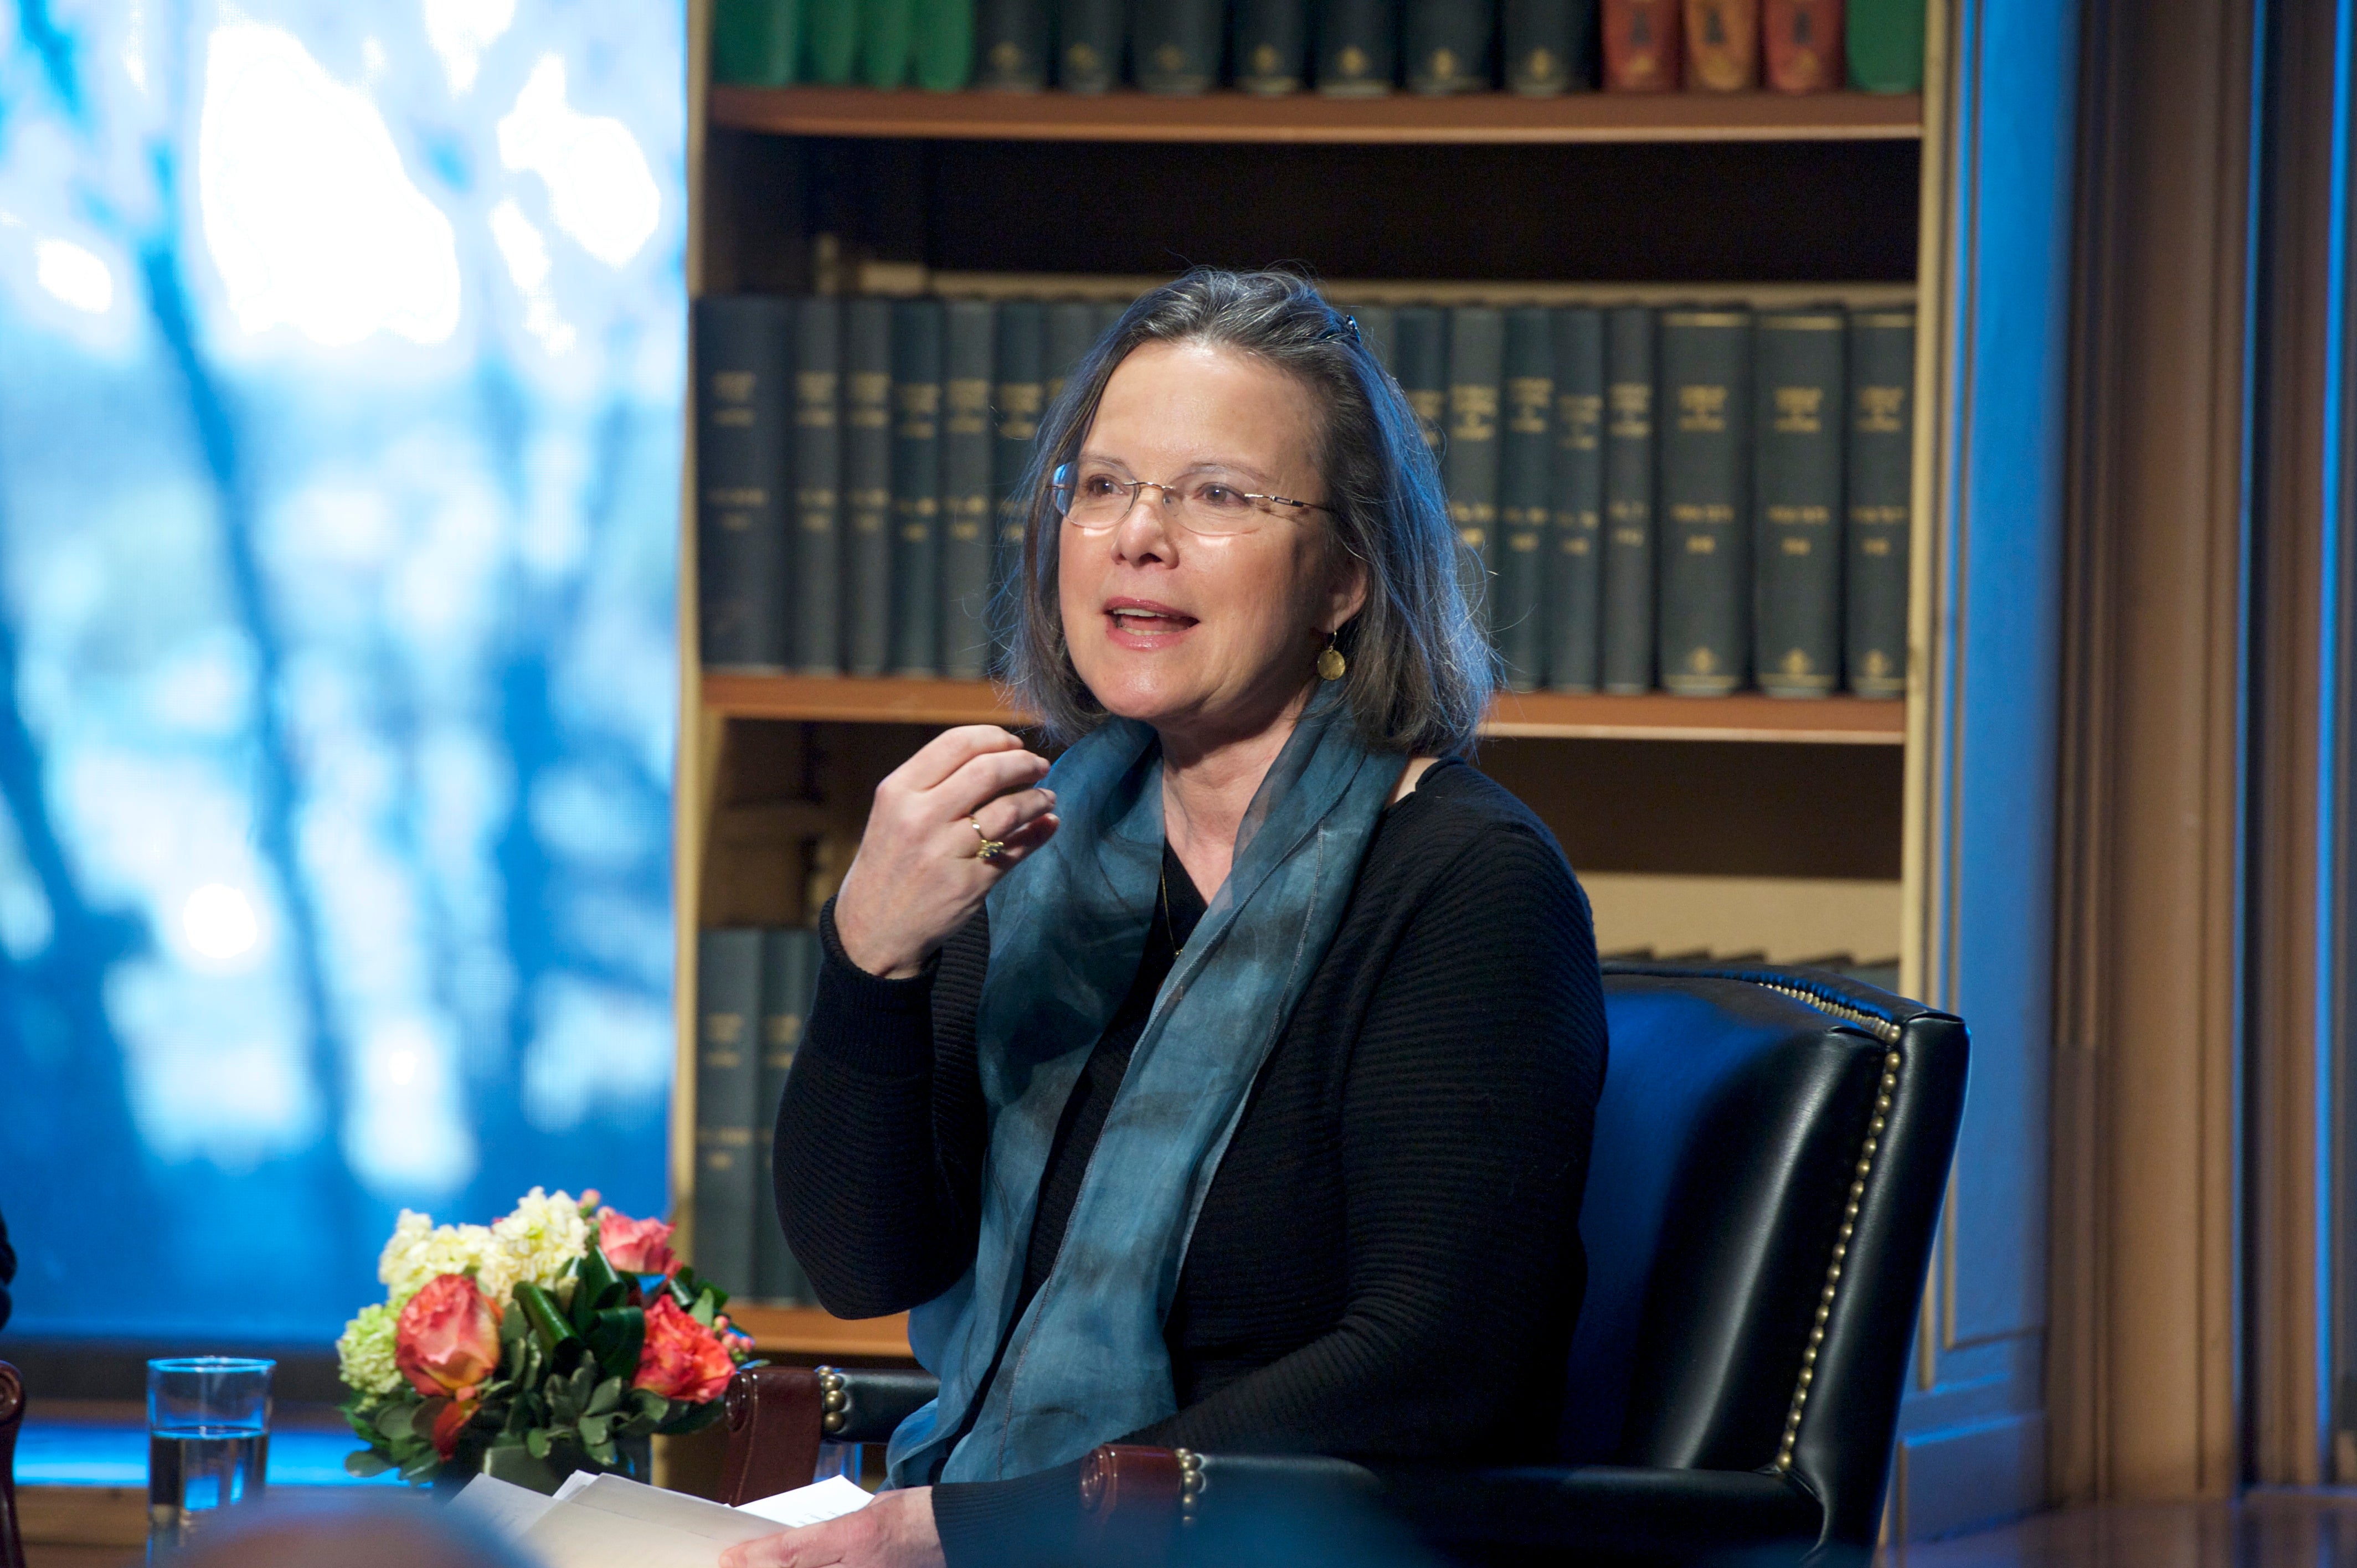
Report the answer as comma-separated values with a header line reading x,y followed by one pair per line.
x,y
951,749
985,778
787,1549
1002,818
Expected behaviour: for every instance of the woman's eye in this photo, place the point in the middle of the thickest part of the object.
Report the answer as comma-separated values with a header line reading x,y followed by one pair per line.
x,y
1098,486
1219,498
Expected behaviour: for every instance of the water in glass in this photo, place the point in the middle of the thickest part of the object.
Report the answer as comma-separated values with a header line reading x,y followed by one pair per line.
x,y
207,1441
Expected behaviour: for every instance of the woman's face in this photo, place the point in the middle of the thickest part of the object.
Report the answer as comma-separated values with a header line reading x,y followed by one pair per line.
x,y
1210,635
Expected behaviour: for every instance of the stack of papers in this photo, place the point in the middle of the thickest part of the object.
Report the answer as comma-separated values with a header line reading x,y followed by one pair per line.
x,y
605,1521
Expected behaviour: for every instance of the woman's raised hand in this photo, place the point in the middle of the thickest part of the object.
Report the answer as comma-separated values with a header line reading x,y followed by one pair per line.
x,y
916,879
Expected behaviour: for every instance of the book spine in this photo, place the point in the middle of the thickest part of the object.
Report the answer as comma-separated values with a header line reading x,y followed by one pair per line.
x,y
1722,46
1550,46
1358,52
1641,45
1881,524
1525,487
916,486
818,486
868,485
1176,44
1885,40
1629,356
1796,420
886,40
1272,46
1421,334
1376,332
755,43
727,1084
830,42
743,480
969,509
1705,636
944,44
1019,396
789,978
1476,348
1071,333
1010,45
1573,581
1448,45
1803,45
1089,35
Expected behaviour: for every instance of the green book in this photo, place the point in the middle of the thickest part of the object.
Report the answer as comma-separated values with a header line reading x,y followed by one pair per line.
x,y
1090,38
1071,333
789,978
818,486
755,42
1420,338
1272,47
1448,45
944,44
916,486
1010,45
969,500
1630,362
1881,511
1704,634
887,42
727,1086
1549,46
1377,332
868,485
1174,44
1477,351
1886,46
1525,494
1019,394
744,437
830,42
1574,580
1358,48
1797,423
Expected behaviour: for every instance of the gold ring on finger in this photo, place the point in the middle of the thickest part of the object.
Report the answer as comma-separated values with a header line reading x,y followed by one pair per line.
x,y
990,848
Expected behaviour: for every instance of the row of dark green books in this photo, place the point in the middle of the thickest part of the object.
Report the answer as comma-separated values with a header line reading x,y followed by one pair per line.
x,y
1686,497
1342,48
753,989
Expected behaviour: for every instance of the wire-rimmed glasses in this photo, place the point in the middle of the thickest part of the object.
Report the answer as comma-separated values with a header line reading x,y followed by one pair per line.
x,y
1094,497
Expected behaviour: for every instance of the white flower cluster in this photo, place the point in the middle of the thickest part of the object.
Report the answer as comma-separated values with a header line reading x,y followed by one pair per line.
x,y
365,1351
536,1245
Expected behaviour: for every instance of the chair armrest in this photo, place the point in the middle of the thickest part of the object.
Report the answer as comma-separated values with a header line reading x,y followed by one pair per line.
x,y
1608,1508
12,1416
778,1416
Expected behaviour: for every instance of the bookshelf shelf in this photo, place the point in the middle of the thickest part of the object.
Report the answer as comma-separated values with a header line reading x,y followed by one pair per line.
x,y
1561,715
1491,117
812,1331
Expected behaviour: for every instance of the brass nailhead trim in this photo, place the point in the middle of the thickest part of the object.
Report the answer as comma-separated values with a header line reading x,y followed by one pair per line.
x,y
1190,1484
833,1400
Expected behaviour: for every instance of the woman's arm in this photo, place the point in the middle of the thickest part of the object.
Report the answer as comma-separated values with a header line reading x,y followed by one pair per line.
x,y
1468,1105
881,1132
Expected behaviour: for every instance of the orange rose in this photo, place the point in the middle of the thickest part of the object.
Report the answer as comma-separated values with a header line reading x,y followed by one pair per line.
x,y
447,1340
635,1246
681,1359
450,1423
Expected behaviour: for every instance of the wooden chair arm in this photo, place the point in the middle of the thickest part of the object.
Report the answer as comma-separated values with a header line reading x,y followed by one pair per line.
x,y
774,1430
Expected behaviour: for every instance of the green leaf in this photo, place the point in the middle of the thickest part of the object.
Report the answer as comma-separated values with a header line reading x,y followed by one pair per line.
x,y
392,1421
594,1430
535,1441
607,1395
616,1333
651,1403
549,1323
595,1287
422,1420
366,1462
422,1469
708,1306
602,1451
687,1418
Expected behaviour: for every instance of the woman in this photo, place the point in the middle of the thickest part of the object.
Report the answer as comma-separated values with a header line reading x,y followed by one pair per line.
x,y
1230,1084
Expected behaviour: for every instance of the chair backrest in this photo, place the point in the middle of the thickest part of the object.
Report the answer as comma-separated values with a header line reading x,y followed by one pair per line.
x,y
1770,1150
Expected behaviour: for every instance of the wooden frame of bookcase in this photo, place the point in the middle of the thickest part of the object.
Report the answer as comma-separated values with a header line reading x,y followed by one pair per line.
x,y
709,703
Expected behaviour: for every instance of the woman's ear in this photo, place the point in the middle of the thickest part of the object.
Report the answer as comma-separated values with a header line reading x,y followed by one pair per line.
x,y
1348,595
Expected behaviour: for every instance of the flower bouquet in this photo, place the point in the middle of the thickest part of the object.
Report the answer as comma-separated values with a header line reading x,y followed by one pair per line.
x,y
558,1338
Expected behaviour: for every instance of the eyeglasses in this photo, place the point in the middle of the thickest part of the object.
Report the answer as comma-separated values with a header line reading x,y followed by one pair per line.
x,y
1095,499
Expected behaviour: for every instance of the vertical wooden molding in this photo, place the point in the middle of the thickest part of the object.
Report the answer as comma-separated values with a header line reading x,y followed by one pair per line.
x,y
2142,1360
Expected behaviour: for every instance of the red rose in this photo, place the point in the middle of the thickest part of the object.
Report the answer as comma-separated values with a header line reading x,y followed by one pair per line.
x,y
447,1340
448,1424
635,1246
681,1359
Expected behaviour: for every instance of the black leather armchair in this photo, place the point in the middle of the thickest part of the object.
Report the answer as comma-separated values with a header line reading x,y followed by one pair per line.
x,y
1770,1150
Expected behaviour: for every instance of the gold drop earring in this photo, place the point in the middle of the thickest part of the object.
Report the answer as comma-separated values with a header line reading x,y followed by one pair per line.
x,y
1330,662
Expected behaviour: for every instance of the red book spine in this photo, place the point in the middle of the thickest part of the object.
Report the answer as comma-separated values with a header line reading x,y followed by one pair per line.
x,y
1722,44
1804,45
1641,46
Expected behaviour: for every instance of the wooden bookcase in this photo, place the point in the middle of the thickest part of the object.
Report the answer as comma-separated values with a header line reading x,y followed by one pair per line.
x,y
1684,196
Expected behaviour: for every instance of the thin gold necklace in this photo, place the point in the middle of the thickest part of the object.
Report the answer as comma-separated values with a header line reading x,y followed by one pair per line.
x,y
1169,928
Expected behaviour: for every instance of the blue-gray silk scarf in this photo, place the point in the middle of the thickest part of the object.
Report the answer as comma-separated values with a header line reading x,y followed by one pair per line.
x,y
1086,1362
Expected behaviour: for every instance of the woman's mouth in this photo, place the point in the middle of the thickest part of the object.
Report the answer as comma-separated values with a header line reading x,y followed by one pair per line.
x,y
1142,625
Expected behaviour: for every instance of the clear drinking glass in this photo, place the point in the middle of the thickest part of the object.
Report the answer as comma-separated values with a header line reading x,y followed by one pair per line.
x,y
208,1441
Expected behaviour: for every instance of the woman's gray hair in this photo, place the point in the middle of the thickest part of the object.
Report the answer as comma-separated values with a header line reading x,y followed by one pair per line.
x,y
1421,671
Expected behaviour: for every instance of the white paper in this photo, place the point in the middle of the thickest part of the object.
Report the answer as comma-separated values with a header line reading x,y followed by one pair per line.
x,y
504,1508
813,1504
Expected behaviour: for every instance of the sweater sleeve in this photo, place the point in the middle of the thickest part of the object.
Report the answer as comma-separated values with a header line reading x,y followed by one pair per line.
x,y
1468,1105
880,1132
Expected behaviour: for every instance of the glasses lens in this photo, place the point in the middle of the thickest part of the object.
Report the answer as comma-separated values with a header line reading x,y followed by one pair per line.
x,y
1218,506
1090,497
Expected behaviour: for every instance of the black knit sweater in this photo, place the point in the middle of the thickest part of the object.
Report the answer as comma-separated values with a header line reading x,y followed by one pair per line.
x,y
1387,1264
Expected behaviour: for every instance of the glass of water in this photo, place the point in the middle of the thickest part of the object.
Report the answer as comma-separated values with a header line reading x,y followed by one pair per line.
x,y
207,1441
